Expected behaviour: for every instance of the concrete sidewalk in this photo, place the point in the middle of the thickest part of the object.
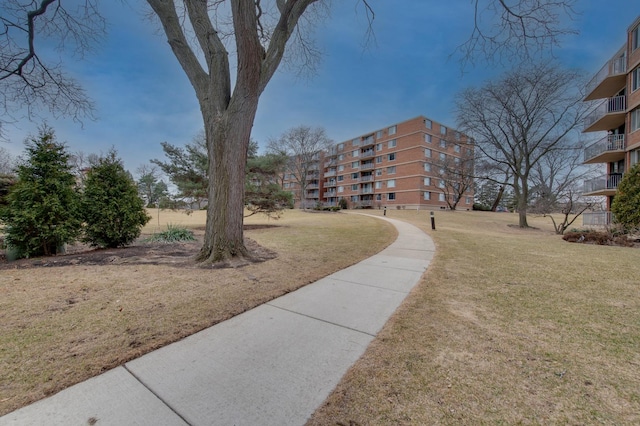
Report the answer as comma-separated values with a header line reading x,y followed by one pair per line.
x,y
272,365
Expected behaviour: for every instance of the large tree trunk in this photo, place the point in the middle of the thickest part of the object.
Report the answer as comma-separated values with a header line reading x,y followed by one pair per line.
x,y
227,143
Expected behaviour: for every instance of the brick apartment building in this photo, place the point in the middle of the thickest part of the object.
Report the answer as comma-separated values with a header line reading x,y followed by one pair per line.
x,y
400,166
617,117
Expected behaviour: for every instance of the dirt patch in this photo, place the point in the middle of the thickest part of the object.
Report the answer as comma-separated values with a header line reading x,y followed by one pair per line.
x,y
141,252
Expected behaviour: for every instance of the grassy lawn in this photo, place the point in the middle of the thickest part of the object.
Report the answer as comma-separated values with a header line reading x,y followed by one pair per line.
x,y
61,325
508,326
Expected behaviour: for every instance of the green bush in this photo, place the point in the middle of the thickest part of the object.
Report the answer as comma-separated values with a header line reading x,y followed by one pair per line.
x,y
627,199
112,210
173,234
42,207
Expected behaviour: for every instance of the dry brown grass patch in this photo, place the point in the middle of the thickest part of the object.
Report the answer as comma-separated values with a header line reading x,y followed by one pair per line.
x,y
61,325
508,326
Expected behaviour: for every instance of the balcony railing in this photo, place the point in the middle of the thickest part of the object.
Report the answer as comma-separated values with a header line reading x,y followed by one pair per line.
x,y
366,191
330,194
368,153
602,183
330,173
330,182
609,143
367,166
313,186
615,105
613,67
597,218
367,178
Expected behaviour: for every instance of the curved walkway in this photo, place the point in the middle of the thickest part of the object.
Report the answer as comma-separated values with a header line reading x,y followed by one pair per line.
x,y
272,365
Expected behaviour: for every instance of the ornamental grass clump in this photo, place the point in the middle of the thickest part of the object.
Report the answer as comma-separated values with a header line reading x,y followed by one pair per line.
x,y
173,234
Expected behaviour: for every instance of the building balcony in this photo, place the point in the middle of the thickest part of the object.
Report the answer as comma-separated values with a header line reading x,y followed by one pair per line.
x,y
330,182
369,153
367,178
597,218
330,163
607,150
313,195
368,141
606,185
610,114
366,191
367,166
609,80
330,173
312,186
330,194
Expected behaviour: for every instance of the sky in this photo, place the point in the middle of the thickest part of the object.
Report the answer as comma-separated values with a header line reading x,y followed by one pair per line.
x,y
143,97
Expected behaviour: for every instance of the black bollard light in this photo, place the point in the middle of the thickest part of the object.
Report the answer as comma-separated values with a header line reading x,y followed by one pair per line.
x,y
433,222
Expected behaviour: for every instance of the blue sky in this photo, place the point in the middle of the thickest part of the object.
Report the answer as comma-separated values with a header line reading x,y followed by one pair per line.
x,y
143,97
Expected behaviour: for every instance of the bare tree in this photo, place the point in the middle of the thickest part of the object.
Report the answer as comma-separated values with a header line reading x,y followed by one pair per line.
x,y
456,174
516,30
522,118
7,162
303,146
29,82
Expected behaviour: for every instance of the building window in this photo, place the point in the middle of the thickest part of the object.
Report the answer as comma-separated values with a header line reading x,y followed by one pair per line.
x,y
378,185
378,172
457,135
443,156
443,143
391,196
391,144
441,183
340,146
456,148
427,138
340,157
426,195
392,130
354,176
427,152
456,160
355,142
355,164
340,178
634,157
391,183
467,200
341,189
635,119
379,159
378,197
379,134
355,153
391,157
441,197
391,170
427,167
354,198
427,181
635,38
443,130
441,171
341,167
635,79
428,124
354,187
379,147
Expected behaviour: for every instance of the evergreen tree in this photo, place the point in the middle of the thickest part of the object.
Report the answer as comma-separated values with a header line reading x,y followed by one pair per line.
x,y
113,211
627,199
42,211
